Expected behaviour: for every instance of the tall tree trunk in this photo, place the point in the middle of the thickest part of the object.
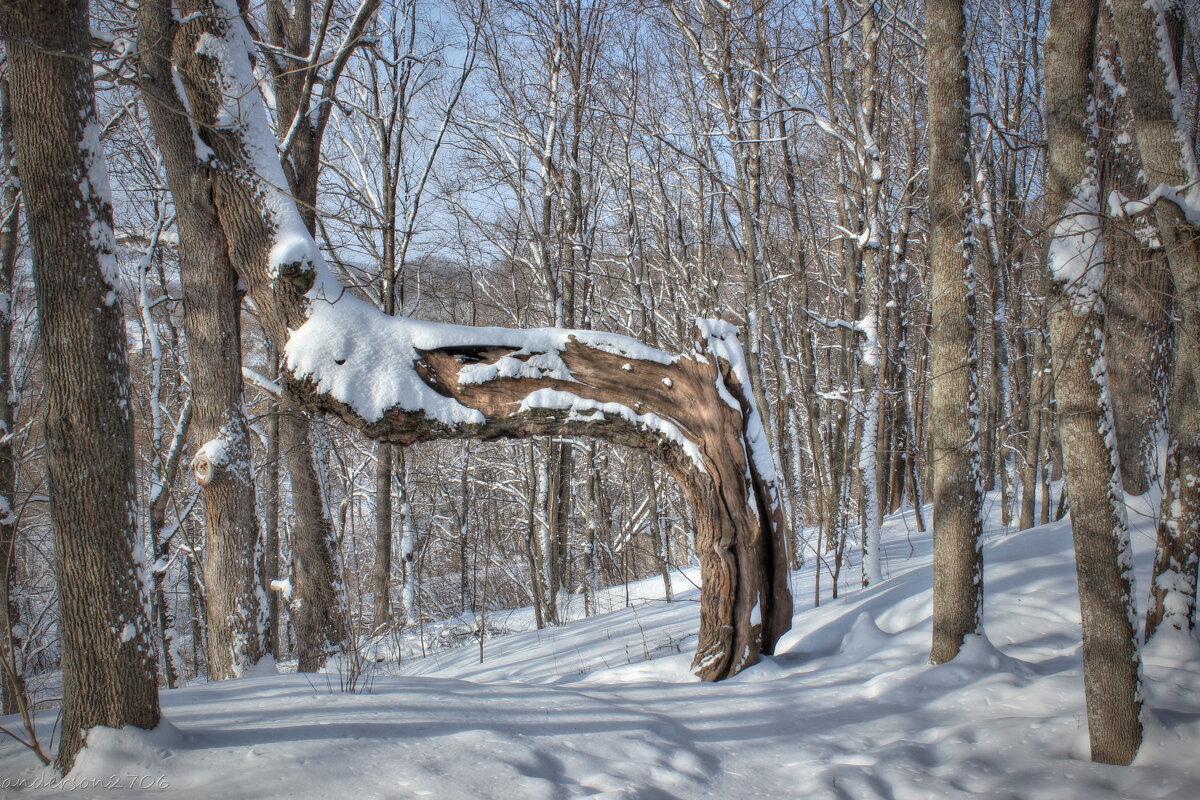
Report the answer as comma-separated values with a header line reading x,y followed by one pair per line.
x,y
10,640
382,575
658,533
303,115
1103,555
408,547
533,541
232,557
161,547
109,674
212,304
320,627
1149,39
591,552
953,356
270,500
1034,435
1137,292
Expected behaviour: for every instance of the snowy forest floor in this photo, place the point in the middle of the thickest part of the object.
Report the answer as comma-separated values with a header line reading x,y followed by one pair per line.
x,y
606,708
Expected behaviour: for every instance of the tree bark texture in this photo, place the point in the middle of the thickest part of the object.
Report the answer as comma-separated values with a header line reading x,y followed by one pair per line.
x,y
1149,42
212,324
1103,558
316,608
954,405
740,530
109,674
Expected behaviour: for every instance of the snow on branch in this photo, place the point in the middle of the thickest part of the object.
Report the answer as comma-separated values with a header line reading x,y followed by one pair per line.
x,y
1187,197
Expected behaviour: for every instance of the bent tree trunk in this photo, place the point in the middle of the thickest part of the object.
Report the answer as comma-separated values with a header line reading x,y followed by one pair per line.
x,y
404,381
693,412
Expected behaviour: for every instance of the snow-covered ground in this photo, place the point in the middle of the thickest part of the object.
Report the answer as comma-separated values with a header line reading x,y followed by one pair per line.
x,y
606,708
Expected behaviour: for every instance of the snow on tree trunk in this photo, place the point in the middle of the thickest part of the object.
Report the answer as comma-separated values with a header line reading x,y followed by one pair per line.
x,y
954,407
408,551
160,540
868,466
236,600
1149,38
1103,553
692,412
108,671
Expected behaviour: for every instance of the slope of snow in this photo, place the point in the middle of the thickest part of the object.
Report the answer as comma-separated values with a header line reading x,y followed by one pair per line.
x,y
848,708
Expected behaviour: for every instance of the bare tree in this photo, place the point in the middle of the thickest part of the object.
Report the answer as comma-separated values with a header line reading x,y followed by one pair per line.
x,y
305,77
109,675
10,208
954,411
1075,274
212,322
1149,38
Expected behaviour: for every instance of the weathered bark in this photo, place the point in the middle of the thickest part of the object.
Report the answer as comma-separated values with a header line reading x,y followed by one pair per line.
x,y
317,612
739,523
1112,681
954,407
212,325
109,675
1137,289
1137,326
1149,40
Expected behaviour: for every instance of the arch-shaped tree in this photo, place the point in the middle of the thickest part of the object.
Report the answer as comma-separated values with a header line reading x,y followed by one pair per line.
x,y
405,381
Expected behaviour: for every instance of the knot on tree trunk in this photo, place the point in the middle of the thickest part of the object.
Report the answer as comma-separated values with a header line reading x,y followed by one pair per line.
x,y
211,459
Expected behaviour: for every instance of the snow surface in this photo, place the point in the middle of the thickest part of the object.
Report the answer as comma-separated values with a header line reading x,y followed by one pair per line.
x,y
607,708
